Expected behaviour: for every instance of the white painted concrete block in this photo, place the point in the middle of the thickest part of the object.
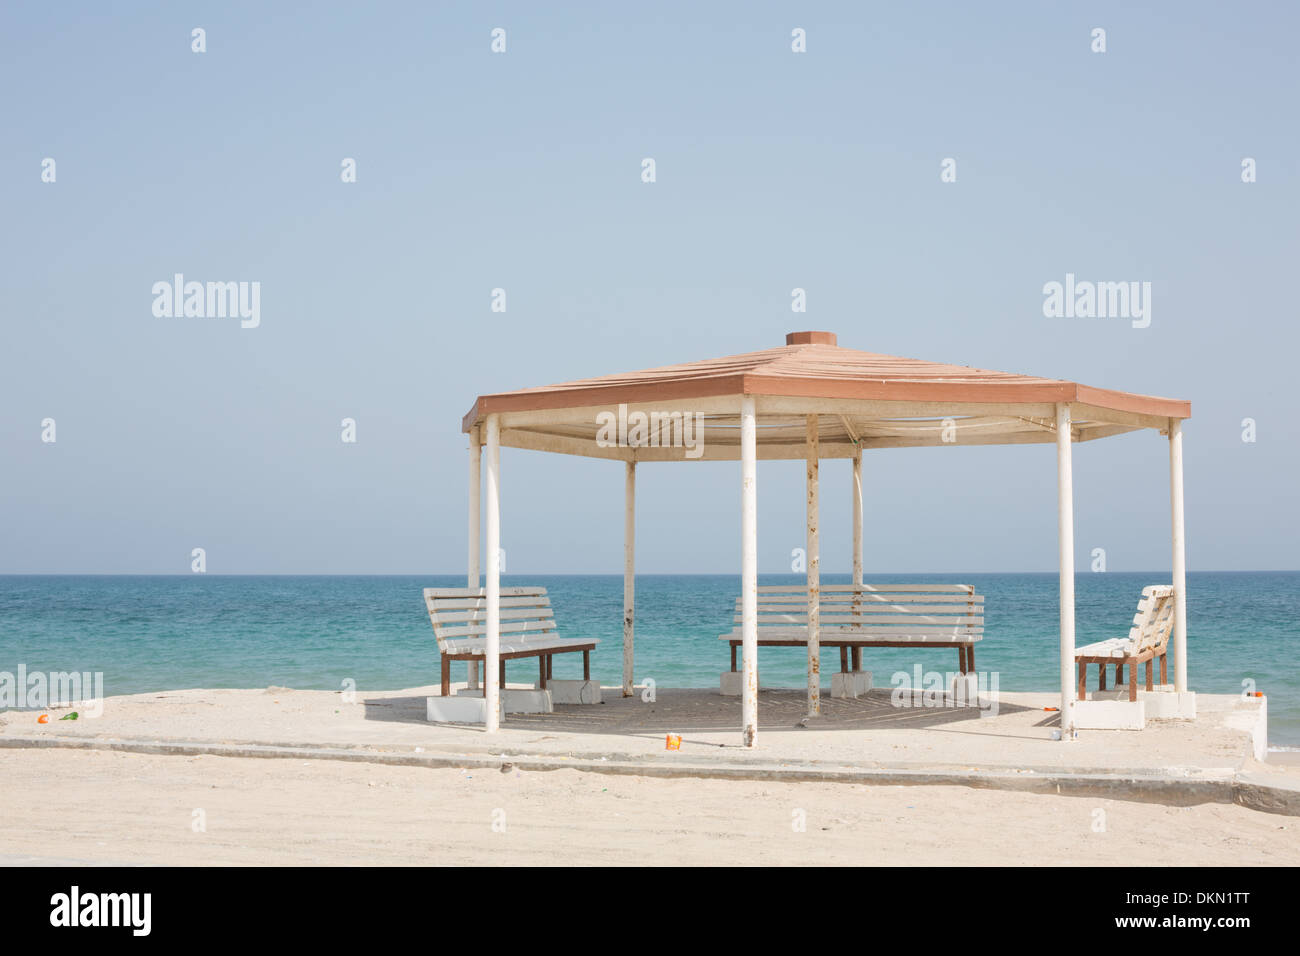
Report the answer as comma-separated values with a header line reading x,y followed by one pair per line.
x,y
731,683
1110,715
1168,705
573,691
515,700
965,690
1259,732
526,701
851,685
1251,715
459,709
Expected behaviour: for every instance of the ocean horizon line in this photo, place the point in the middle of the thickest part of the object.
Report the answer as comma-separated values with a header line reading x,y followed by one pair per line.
x,y
573,574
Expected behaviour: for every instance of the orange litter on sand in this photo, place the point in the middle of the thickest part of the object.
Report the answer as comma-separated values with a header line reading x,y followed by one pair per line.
x,y
673,742
43,719
1051,708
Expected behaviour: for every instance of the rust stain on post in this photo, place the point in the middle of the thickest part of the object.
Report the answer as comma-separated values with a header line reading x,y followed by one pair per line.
x,y
814,570
629,576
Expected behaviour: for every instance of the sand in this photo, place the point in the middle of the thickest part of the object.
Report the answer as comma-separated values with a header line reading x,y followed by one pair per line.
x,y
90,806
100,806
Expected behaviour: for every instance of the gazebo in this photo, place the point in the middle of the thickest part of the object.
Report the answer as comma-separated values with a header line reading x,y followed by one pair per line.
x,y
811,400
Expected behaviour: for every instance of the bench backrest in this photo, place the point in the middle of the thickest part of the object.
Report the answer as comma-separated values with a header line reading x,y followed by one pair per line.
x,y
1154,619
459,613
874,610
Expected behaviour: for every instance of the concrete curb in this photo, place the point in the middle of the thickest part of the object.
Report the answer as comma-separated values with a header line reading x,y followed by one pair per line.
x,y
1246,790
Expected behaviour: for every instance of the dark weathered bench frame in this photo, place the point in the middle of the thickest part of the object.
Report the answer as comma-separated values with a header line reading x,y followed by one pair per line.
x,y
853,649
545,664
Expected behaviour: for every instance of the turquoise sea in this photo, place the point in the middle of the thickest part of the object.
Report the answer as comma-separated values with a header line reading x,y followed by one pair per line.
x,y
148,633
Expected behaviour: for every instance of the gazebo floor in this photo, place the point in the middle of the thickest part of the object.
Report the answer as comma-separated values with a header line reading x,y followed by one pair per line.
x,y
693,712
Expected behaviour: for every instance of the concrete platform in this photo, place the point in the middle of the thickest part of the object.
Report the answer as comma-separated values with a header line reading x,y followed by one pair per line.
x,y
865,739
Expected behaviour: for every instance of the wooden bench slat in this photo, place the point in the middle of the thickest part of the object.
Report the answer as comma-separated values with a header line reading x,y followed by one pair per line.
x,y
507,614
480,592
869,588
507,627
870,600
452,604
909,611
826,620
800,639
866,631
515,645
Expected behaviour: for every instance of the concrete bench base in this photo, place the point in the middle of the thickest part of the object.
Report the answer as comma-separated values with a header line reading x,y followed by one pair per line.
x,y
1162,704
965,691
514,700
1110,715
851,685
460,709
1252,718
732,683
573,691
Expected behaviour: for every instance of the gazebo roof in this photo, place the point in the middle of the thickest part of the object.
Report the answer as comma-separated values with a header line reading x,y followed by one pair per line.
x,y
861,399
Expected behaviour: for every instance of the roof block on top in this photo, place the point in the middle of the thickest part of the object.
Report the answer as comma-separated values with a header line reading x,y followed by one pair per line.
x,y
810,338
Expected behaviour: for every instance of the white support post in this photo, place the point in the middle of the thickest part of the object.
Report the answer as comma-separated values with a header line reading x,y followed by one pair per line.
x,y
1065,530
813,558
492,651
629,574
749,569
857,516
857,547
1179,554
475,517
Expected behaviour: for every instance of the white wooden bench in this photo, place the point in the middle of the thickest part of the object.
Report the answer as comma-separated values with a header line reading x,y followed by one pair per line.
x,y
853,617
527,629
1147,639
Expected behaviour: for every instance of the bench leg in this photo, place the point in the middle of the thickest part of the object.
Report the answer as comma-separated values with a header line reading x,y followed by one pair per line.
x,y
970,658
733,658
550,666
446,677
844,659
541,671
1164,677
1133,681
586,665
1149,669
501,676
857,659
1083,681
1119,672
1101,677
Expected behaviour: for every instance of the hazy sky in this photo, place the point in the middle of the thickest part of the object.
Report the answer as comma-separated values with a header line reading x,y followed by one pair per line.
x,y
522,170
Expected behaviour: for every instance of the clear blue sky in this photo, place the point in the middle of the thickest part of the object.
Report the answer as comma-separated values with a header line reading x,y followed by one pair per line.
x,y
522,171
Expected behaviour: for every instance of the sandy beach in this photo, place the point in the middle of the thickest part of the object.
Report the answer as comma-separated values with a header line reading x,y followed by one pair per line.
x,y
329,787
66,806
